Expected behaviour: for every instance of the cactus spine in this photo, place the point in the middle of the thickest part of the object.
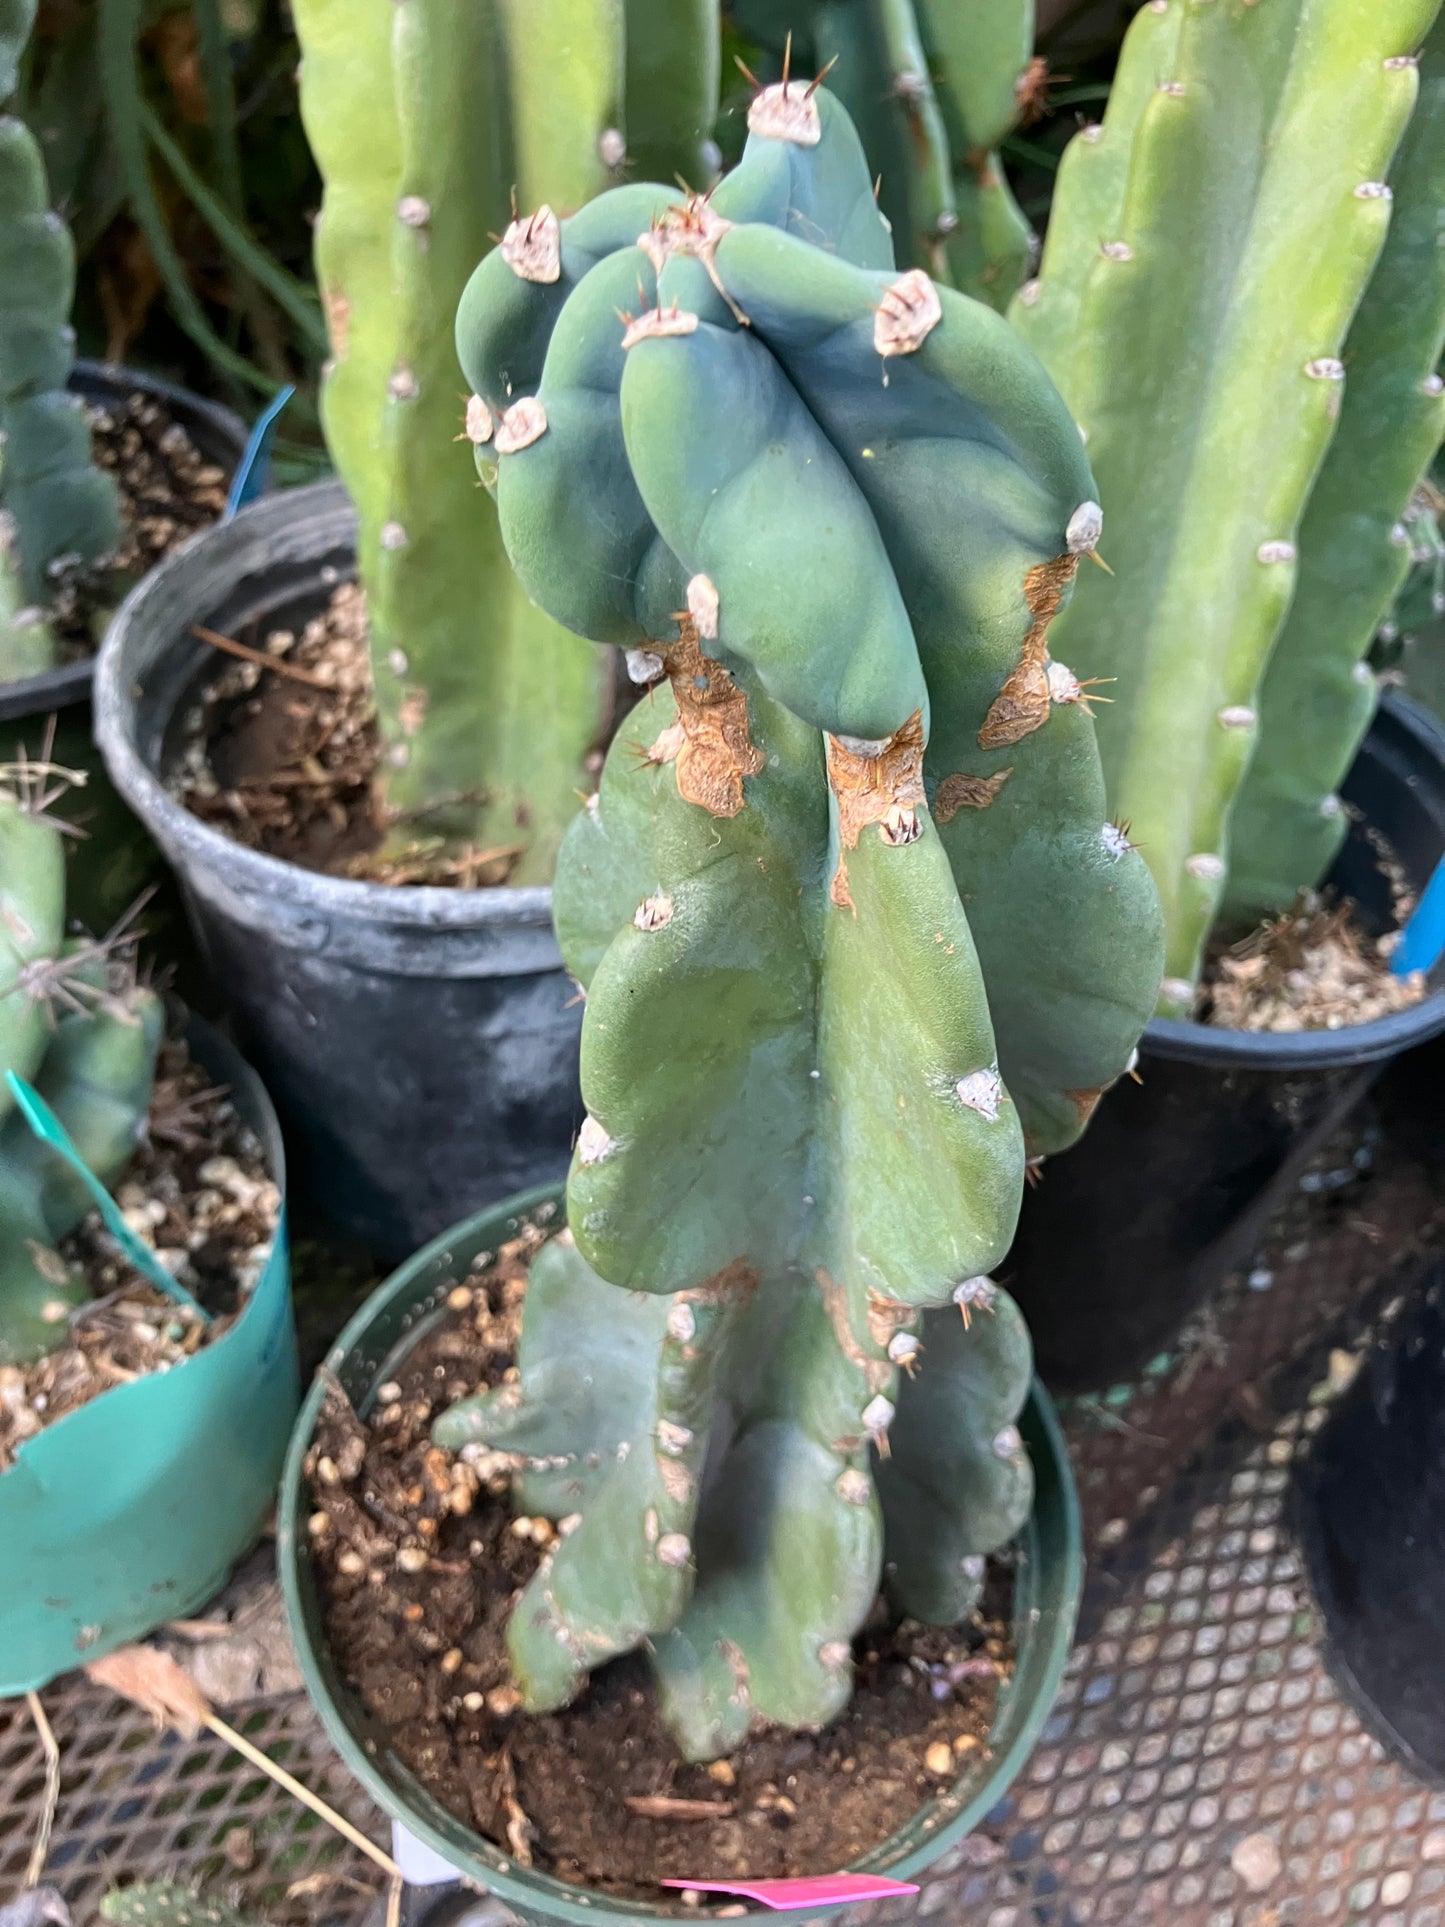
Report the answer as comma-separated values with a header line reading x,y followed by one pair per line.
x,y
423,118
73,1022
933,87
1355,542
836,539
1209,245
54,503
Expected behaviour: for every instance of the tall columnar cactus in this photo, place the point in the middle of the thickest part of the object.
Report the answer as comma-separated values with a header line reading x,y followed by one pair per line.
x,y
1355,544
933,87
856,936
426,118
85,1040
54,502
1209,245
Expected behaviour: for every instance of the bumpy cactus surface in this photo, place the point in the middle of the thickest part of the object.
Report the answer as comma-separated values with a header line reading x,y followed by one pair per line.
x,y
856,935
932,86
425,120
1209,245
161,1903
54,502
88,1044
1355,542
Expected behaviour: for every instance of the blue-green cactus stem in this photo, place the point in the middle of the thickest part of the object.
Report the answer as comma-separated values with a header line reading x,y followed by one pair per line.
x,y
830,511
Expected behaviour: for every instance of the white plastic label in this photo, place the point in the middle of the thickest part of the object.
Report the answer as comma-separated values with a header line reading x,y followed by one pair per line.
x,y
420,1865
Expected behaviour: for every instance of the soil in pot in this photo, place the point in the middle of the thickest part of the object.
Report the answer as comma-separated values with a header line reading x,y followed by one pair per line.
x,y
1314,968
196,1189
282,751
419,1556
168,490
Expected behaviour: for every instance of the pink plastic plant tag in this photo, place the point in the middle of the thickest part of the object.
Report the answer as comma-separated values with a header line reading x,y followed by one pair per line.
x,y
791,1896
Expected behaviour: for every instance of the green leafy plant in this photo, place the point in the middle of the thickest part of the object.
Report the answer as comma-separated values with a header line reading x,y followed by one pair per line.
x,y
424,121
933,87
857,938
76,1024
1244,303
57,505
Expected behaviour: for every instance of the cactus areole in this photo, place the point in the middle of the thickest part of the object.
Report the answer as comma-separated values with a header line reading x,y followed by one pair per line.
x,y
856,936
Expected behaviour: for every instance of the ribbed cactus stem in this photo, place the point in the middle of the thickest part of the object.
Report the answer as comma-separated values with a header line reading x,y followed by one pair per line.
x,y
424,117
55,505
844,507
933,86
1354,543
86,1041
1209,249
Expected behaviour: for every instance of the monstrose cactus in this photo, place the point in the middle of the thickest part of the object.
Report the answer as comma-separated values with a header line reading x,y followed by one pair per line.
x,y
55,504
857,937
1209,247
933,86
425,120
78,1027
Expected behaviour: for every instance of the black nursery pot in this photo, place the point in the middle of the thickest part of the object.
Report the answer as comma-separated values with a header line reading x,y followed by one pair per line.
x,y
1370,1514
114,861
1177,1175
420,1044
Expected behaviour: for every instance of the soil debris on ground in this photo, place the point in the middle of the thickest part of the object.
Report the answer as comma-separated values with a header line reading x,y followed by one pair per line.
x,y
198,1192
285,755
1314,968
420,1557
168,490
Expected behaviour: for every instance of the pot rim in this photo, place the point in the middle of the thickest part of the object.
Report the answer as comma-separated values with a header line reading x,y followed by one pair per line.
x,y
194,844
942,1822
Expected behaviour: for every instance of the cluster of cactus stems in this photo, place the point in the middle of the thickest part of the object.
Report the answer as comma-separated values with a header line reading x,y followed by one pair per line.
x,y
857,936
426,119
76,1024
55,505
933,87
1210,245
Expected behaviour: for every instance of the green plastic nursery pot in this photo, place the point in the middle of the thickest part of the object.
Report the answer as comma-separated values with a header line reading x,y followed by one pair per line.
x,y
132,1510
371,1349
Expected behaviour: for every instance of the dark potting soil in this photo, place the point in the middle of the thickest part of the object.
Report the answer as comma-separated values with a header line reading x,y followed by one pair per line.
x,y
420,1556
283,753
168,490
198,1191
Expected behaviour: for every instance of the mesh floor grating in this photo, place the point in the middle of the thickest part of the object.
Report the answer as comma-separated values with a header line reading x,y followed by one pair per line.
x,y
1199,1767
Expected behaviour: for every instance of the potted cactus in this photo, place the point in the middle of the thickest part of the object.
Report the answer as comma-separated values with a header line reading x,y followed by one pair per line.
x,y
375,1006
66,530
92,1559
854,928
1245,312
